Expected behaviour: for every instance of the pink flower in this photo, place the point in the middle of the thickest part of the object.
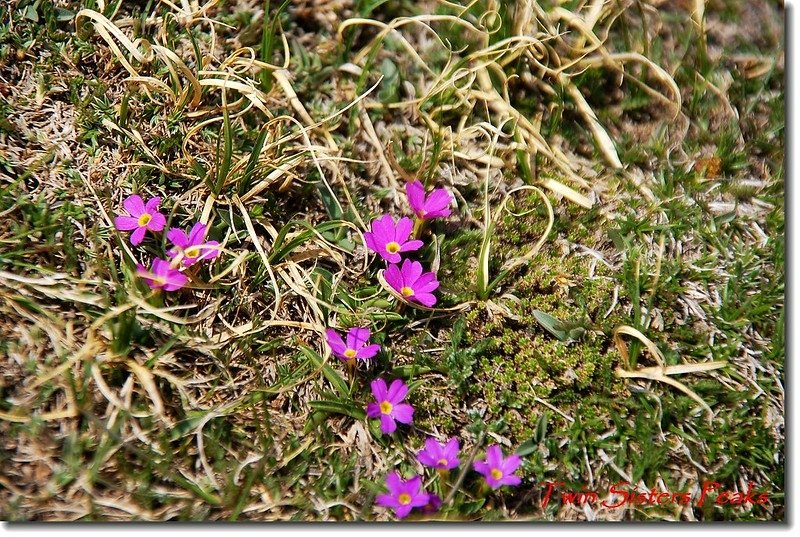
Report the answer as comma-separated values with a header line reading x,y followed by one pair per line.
x,y
409,281
193,246
434,206
388,239
356,347
403,495
162,276
439,456
434,504
497,470
141,217
388,406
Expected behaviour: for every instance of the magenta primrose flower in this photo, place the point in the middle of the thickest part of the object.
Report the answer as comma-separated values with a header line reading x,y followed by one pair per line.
x,y
356,346
162,276
403,495
440,456
409,281
497,470
435,205
388,405
141,217
388,239
193,246
434,504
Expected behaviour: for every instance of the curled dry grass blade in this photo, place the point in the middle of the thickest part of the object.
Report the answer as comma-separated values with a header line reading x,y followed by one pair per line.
x,y
661,371
464,85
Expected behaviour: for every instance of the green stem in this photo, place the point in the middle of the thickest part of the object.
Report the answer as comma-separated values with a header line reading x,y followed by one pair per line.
x,y
419,223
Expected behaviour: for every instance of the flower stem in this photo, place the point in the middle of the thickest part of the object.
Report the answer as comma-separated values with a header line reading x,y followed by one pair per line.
x,y
351,368
465,469
418,224
443,480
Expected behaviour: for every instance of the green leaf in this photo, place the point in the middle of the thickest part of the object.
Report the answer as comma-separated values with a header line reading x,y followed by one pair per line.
x,y
409,371
530,445
527,447
336,380
365,7
541,426
551,324
247,175
390,85
346,408
31,14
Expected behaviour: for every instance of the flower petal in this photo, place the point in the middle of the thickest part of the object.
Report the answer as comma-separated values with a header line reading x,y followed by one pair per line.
x,y
438,200
403,230
152,204
397,391
482,468
157,222
387,500
511,480
365,353
410,246
388,426
178,237
427,458
393,277
394,482
357,337
426,299
379,390
369,240
391,257
413,485
134,205
126,223
175,280
426,283
494,456
411,271
451,448
335,341
198,234
404,413
511,464
373,410
209,250
138,235
415,192
383,229
403,511
420,500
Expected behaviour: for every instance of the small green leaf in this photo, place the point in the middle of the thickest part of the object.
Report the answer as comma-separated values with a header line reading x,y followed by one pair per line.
x,y
527,447
333,377
551,324
346,408
541,427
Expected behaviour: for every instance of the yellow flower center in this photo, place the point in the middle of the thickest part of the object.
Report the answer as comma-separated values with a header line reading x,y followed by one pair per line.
x,y
192,251
350,354
144,219
407,291
392,247
404,498
159,280
442,462
386,407
496,474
